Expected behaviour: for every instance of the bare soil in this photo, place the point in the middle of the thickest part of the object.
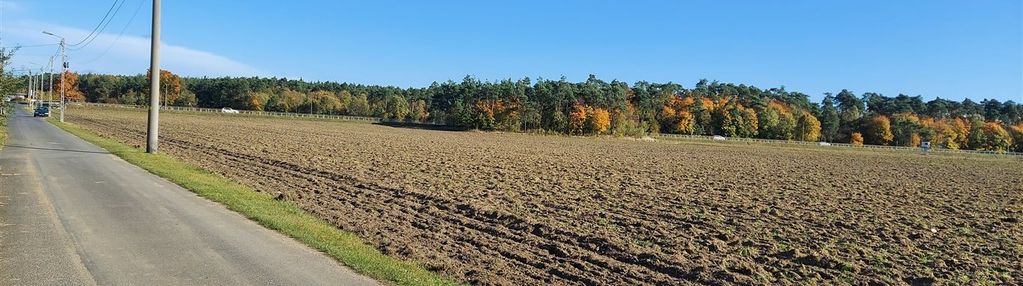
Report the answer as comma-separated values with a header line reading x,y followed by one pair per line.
x,y
519,209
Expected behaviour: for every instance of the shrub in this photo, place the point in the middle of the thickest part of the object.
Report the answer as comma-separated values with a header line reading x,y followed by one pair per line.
x,y
856,139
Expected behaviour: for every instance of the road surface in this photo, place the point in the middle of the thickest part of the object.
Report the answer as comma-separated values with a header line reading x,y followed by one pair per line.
x,y
72,214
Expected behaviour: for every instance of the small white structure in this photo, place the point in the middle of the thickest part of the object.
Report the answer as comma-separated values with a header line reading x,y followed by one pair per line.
x,y
824,144
719,138
228,110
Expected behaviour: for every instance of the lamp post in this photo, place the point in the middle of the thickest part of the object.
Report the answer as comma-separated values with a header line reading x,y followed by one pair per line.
x,y
63,60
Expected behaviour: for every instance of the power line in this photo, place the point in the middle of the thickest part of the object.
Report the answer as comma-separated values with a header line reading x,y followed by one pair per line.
x,y
139,7
102,24
103,28
31,46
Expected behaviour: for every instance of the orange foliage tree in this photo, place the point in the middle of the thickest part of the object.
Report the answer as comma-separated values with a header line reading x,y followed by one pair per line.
x,y
69,81
856,139
677,116
577,118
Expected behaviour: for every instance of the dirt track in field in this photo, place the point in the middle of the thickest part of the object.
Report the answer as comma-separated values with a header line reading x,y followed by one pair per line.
x,y
516,209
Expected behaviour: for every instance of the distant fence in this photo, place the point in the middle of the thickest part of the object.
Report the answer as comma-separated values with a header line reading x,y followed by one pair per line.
x,y
267,113
674,136
844,145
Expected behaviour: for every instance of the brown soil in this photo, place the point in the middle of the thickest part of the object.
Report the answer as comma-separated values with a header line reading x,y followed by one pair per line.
x,y
517,209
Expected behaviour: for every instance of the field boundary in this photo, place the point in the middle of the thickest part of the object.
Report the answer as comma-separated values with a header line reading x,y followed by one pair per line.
x,y
667,136
281,216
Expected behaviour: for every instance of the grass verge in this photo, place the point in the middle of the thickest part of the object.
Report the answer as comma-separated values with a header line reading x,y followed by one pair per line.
x,y
7,112
281,216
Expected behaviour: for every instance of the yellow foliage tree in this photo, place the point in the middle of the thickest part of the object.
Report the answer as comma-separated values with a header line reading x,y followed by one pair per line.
x,y
880,131
961,127
600,121
1017,137
914,140
257,100
808,128
996,138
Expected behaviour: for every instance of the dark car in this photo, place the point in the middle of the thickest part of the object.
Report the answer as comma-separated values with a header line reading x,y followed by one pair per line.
x,y
42,112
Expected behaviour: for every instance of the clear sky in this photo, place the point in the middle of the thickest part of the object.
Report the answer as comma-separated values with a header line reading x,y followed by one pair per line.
x,y
948,49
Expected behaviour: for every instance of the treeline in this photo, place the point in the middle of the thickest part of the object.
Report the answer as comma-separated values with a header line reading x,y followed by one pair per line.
x,y
600,107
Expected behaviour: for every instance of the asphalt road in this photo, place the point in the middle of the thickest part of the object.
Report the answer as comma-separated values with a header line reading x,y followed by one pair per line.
x,y
72,214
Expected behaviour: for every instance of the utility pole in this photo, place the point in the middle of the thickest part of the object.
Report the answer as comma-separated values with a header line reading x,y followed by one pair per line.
x,y
42,70
31,98
50,98
63,83
152,137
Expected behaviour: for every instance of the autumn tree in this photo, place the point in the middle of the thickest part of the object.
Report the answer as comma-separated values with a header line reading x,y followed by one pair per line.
x,y
856,139
359,105
943,132
284,101
703,116
599,121
256,100
808,128
879,131
170,87
577,118
734,120
418,111
1017,137
677,117
993,138
906,128
777,121
962,129
69,83
396,107
345,97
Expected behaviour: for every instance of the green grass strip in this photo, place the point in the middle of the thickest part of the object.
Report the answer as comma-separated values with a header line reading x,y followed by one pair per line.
x,y
284,217
8,112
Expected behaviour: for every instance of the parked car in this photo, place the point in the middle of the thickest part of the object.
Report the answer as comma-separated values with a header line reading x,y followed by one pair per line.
x,y
42,112
228,110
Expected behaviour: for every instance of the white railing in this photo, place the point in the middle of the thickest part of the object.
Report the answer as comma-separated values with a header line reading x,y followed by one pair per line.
x,y
265,113
843,145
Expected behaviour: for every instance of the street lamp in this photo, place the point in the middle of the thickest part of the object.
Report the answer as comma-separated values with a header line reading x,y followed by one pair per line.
x,y
63,60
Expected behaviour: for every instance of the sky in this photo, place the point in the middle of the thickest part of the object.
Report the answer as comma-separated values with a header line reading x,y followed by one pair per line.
x,y
947,49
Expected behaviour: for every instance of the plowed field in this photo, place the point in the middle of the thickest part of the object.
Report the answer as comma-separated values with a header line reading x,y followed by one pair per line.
x,y
518,209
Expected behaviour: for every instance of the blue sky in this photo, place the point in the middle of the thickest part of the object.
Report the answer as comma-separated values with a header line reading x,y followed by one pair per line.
x,y
948,49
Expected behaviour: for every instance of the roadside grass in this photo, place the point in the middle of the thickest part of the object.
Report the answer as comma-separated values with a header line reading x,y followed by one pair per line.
x,y
281,216
8,111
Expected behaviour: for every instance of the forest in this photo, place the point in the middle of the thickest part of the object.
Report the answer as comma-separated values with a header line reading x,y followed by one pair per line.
x,y
598,107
